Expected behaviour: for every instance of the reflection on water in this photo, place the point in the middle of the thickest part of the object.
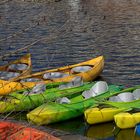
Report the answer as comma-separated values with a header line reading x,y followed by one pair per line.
x,y
128,134
77,126
108,131
105,131
101,131
93,27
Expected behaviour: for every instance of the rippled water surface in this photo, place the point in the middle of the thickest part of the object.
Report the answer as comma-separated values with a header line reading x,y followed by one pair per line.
x,y
71,31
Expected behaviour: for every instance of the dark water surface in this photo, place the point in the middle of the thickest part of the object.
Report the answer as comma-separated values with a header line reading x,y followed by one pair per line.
x,y
72,31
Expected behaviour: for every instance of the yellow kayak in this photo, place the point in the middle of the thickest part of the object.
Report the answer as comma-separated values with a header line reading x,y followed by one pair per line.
x,y
126,120
97,115
94,68
88,70
16,69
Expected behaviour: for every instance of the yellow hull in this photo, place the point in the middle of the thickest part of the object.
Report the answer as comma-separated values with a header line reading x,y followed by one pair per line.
x,y
97,65
96,115
127,120
26,59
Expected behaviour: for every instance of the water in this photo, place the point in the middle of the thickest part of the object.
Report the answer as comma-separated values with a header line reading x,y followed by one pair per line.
x,y
72,31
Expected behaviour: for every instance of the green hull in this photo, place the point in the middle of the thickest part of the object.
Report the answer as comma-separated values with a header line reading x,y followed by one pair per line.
x,y
54,112
135,104
20,102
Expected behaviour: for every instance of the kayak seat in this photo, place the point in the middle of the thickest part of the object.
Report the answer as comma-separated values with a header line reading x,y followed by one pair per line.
x,y
31,80
63,100
75,82
18,67
5,75
80,69
54,75
37,89
97,89
126,96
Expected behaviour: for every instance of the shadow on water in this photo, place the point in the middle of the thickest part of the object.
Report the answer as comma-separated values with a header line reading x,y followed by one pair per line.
x,y
84,29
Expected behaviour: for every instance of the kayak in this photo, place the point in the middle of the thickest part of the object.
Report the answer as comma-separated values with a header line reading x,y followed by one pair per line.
x,y
16,131
127,120
18,101
88,70
15,69
55,112
109,109
97,115
137,129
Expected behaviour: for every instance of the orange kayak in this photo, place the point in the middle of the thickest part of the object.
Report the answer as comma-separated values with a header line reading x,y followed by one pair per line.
x,y
15,131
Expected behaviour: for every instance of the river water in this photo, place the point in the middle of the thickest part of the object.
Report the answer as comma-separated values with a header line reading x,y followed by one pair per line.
x,y
70,31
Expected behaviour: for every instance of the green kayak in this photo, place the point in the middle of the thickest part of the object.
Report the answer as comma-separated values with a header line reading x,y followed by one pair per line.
x,y
129,117
55,112
18,101
106,110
